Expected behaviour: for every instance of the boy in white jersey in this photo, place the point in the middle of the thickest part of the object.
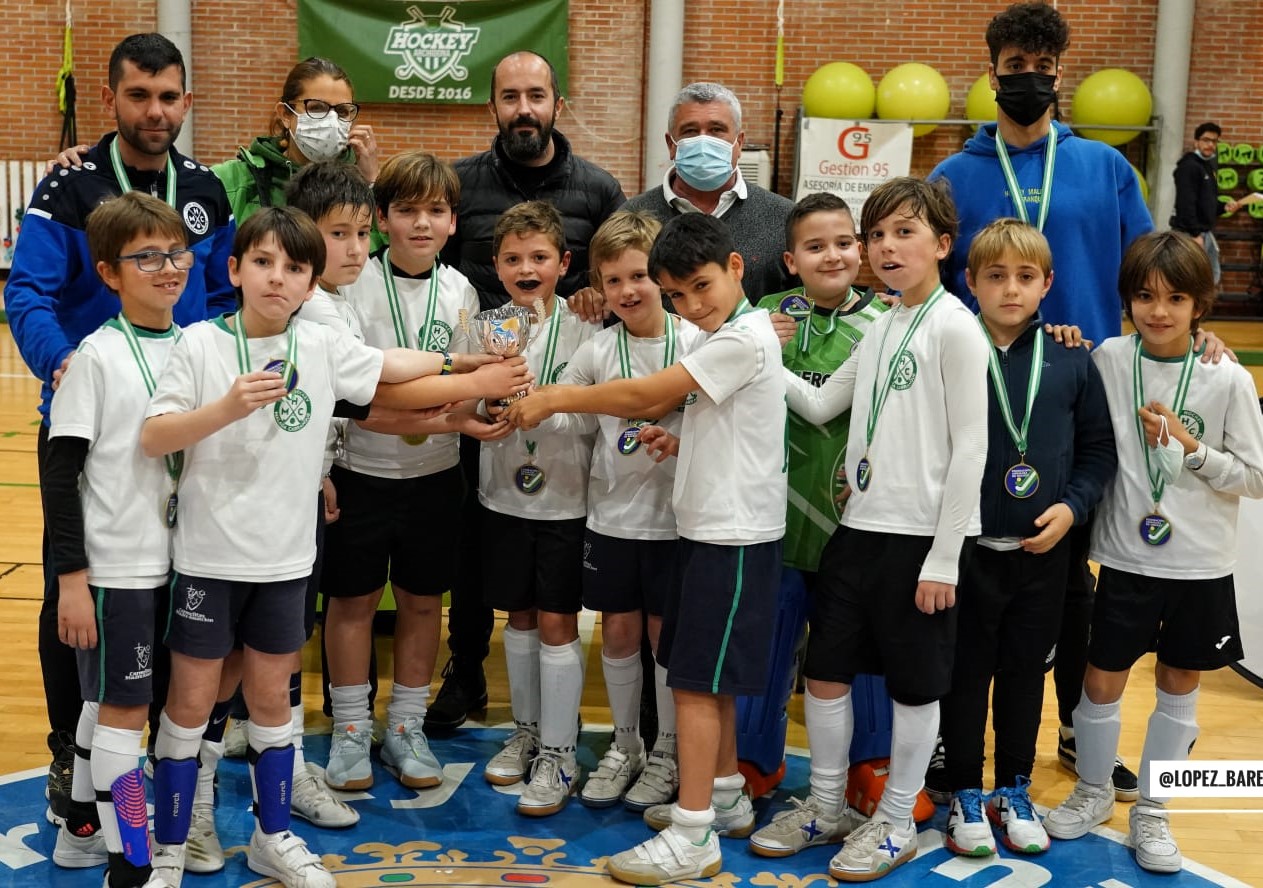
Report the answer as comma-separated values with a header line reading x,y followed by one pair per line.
x,y
394,490
106,506
630,540
534,489
729,501
917,389
1190,444
253,441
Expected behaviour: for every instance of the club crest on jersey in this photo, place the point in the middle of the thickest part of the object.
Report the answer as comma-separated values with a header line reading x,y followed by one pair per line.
x,y
1193,424
196,219
905,371
557,372
796,306
439,338
293,412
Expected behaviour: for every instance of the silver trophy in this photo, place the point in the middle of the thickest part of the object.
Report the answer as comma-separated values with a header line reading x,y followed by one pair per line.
x,y
505,331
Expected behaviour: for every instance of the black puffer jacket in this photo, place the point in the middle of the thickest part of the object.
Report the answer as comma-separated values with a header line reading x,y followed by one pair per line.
x,y
582,192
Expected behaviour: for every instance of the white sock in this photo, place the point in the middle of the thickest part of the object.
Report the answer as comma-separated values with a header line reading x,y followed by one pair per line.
x,y
1096,730
114,753
406,703
1172,730
81,789
176,742
350,704
298,727
561,689
726,790
830,726
623,682
521,654
912,744
666,704
692,825
208,761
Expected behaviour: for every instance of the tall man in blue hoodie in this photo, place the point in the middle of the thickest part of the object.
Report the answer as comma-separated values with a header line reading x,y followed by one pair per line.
x,y
1085,198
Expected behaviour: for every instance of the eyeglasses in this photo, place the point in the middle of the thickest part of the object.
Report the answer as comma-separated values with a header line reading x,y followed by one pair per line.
x,y
317,109
151,261
1210,140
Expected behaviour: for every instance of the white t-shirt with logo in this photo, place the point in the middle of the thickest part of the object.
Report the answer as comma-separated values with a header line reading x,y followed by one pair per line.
x,y
391,456
730,480
329,307
102,399
246,510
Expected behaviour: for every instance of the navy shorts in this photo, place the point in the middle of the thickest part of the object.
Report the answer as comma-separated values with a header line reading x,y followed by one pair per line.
x,y
722,606
119,670
1192,624
532,564
405,530
210,617
864,617
621,576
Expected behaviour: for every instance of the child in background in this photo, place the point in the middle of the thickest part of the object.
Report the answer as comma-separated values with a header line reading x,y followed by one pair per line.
x,y
1050,456
1190,444
885,605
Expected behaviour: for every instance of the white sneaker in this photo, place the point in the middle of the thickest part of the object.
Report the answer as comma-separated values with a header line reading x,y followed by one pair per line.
x,y
168,865
286,857
1151,840
667,857
406,754
203,853
1010,808
606,785
79,852
155,880
733,822
968,829
1088,806
349,765
805,825
311,800
872,851
236,739
553,779
509,765
658,783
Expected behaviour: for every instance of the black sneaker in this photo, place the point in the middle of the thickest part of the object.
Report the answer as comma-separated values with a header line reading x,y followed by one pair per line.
x,y
1126,786
464,691
60,776
936,783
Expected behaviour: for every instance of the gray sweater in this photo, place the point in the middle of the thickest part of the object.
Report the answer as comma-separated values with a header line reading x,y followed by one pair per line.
x,y
757,224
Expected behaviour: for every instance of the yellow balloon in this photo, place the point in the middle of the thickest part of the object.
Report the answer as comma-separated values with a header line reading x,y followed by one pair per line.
x,y
980,102
913,91
1144,186
839,90
1113,96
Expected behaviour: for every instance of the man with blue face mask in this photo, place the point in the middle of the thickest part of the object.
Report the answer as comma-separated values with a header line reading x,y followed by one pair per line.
x,y
704,137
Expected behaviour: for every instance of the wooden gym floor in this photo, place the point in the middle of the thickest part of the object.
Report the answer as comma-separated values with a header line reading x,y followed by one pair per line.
x,y
1230,709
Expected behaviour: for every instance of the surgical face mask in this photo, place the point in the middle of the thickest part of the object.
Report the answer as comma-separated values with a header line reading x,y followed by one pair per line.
x,y
1168,456
1025,97
321,138
704,162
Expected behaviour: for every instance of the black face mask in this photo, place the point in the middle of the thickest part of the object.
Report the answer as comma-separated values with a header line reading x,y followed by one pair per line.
x,y
1025,97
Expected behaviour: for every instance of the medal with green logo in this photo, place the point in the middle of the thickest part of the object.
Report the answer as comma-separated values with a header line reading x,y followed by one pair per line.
x,y
629,439
174,461
1155,529
294,410
125,183
864,469
529,478
1021,480
1045,188
396,318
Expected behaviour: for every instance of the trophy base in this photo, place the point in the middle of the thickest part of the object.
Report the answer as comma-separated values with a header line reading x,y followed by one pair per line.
x,y
505,402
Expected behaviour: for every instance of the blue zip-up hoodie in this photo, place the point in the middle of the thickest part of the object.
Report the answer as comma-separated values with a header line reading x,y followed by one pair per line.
x,y
54,297
1070,441
1096,212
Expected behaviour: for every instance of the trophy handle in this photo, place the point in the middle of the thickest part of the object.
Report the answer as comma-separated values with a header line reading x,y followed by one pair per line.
x,y
462,318
541,315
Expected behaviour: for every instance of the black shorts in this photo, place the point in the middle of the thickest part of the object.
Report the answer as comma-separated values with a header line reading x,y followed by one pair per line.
x,y
722,606
532,564
620,576
864,617
210,617
405,530
1192,624
119,670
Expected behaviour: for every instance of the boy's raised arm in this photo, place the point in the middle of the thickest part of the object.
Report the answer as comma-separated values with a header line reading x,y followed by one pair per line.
x,y
617,397
500,379
165,433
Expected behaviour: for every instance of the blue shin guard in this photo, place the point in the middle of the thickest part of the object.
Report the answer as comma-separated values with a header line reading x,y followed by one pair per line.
x,y
128,795
174,783
273,774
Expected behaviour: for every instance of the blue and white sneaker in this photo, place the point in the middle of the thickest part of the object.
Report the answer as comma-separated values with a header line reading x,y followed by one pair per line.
x,y
968,831
1010,808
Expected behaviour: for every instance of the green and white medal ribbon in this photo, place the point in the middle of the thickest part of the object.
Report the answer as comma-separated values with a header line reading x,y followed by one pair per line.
x,y
529,478
288,368
1155,530
125,183
396,312
807,330
1021,480
629,439
1045,190
174,461
878,400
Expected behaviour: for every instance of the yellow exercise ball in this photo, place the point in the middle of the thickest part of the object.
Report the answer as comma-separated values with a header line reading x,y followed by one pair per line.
x,y
1144,186
980,101
1113,96
839,90
913,91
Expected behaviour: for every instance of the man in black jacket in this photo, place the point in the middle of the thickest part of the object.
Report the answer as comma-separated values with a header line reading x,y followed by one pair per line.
x,y
1197,191
528,160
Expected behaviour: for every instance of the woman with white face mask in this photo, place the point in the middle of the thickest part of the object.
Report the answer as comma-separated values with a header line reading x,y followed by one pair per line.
x,y
316,119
